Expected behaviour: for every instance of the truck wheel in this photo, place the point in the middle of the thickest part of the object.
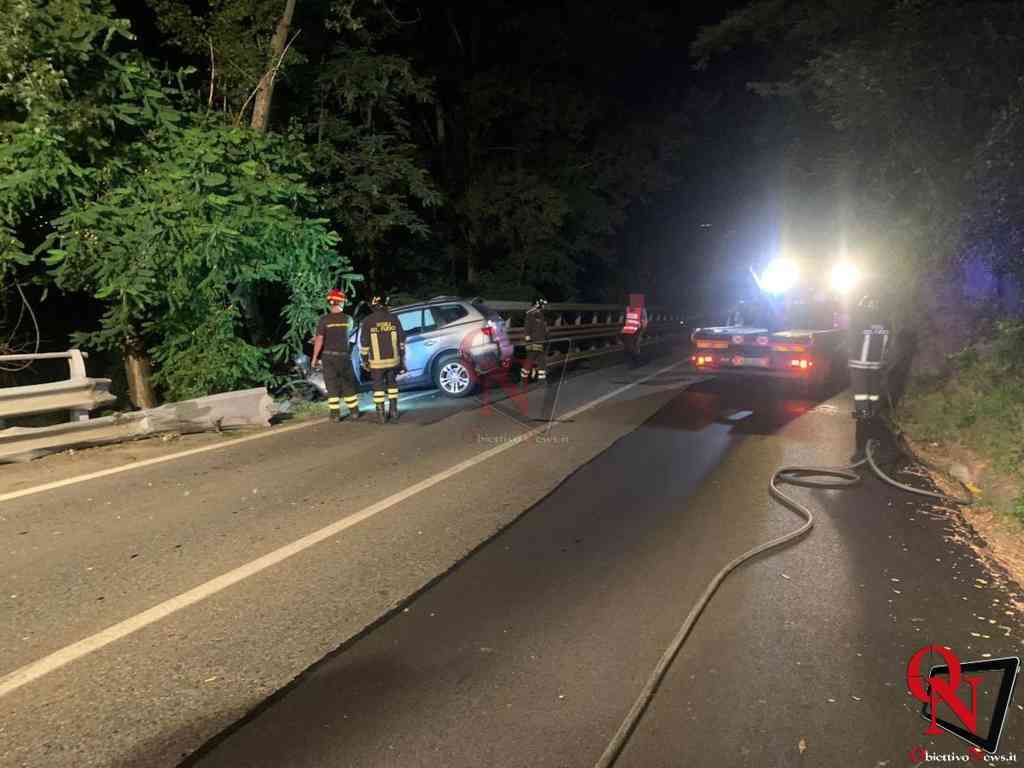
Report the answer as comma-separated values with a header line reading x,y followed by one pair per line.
x,y
452,377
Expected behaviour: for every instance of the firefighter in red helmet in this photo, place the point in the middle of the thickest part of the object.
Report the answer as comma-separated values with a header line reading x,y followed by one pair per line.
x,y
332,343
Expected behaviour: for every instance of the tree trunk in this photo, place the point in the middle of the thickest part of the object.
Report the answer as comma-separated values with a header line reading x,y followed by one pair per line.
x,y
265,89
139,373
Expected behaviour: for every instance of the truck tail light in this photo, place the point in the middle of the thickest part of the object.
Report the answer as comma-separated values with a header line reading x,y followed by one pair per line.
x,y
703,359
801,363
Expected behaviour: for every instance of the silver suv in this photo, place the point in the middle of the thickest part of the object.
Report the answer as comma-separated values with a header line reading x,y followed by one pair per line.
x,y
450,343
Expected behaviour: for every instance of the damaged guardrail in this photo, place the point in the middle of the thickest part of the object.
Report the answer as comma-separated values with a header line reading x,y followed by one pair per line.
x,y
230,410
78,394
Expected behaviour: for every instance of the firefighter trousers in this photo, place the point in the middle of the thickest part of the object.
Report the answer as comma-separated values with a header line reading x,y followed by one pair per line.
x,y
385,385
631,343
536,362
340,381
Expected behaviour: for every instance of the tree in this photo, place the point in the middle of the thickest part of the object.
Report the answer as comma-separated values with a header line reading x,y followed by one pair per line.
x,y
69,99
893,108
532,142
198,214
374,183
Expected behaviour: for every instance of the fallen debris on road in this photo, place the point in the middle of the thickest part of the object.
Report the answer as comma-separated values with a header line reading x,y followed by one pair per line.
x,y
230,410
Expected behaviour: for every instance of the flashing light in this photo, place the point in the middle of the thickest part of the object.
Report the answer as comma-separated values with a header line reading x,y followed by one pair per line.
x,y
845,277
779,276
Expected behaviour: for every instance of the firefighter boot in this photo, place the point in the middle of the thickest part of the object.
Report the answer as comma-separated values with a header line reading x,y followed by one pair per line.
x,y
355,413
393,409
380,414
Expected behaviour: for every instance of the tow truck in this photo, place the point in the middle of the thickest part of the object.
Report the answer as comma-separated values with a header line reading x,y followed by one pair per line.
x,y
791,332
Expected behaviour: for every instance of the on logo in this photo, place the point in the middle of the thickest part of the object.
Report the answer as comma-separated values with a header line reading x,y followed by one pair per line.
x,y
941,685
487,373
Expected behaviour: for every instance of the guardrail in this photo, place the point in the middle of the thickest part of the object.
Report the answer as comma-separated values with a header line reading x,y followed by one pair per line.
x,y
577,331
77,394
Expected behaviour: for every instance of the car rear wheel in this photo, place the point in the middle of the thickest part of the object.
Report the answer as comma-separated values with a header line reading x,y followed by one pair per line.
x,y
452,376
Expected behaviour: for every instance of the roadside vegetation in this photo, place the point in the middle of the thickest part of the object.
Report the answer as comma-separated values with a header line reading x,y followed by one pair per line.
x,y
978,404
191,180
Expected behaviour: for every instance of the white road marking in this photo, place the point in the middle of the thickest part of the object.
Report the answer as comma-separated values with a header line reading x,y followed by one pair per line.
x,y
37,669
174,456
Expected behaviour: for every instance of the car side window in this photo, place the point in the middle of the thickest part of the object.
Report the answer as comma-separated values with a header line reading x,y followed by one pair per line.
x,y
412,322
429,321
449,313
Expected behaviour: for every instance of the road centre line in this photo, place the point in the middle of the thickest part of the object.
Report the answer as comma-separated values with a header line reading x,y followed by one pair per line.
x,y
142,463
37,669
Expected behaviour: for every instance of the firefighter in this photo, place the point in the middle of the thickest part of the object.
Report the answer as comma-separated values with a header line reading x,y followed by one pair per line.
x,y
869,344
332,334
535,337
382,349
633,328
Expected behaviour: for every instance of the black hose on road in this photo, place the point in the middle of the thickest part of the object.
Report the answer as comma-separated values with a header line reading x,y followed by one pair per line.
x,y
827,478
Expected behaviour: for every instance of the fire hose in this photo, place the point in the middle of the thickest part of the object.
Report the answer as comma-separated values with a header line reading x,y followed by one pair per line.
x,y
822,478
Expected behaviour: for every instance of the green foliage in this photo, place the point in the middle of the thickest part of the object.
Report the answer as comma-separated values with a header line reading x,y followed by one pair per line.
x,y
231,38
546,164
373,182
68,100
979,403
208,357
902,117
195,214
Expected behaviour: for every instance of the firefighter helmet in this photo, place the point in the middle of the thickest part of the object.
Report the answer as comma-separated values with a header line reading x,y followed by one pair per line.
x,y
334,296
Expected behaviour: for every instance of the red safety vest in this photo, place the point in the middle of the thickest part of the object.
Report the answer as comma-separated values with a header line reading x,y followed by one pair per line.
x,y
636,319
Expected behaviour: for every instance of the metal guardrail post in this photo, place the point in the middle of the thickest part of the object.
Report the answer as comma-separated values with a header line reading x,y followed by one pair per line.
x,y
76,364
76,395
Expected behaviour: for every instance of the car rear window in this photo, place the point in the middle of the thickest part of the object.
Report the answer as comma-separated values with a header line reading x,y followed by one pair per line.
x,y
449,313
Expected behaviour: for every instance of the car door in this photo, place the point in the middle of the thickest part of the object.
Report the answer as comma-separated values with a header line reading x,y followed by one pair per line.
x,y
417,351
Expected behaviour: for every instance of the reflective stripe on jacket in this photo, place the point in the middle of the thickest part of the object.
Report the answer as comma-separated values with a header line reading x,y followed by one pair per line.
x,y
636,321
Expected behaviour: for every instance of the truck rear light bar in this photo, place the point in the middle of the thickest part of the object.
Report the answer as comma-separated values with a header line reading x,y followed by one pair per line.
x,y
788,348
708,344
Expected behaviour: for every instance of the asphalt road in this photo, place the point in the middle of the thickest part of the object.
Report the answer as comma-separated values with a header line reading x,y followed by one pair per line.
x,y
531,651
496,604
140,615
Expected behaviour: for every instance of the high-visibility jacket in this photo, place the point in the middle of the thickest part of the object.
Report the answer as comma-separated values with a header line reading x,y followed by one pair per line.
x,y
382,341
636,320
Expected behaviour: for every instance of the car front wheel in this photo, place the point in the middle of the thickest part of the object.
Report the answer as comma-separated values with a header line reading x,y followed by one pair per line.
x,y
453,377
